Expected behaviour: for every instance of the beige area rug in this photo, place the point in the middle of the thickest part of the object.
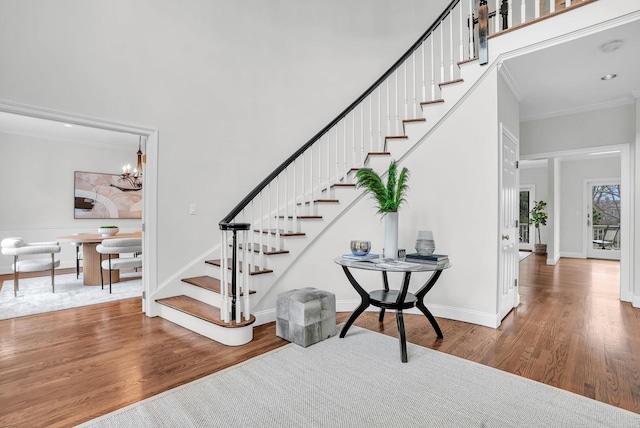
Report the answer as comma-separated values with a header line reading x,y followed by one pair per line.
x,y
35,294
359,381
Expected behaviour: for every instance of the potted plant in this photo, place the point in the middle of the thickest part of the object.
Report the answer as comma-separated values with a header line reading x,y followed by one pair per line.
x,y
108,230
538,217
389,198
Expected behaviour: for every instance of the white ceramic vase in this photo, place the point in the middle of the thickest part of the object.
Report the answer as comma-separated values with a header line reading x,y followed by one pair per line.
x,y
391,235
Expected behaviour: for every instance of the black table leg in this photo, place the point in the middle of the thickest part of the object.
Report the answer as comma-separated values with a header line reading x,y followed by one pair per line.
x,y
385,282
420,304
430,317
364,304
401,335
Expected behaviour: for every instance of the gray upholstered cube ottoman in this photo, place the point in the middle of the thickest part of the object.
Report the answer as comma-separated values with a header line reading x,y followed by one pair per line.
x,y
305,316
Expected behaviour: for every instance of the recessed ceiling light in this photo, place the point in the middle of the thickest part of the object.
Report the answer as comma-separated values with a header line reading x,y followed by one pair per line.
x,y
609,76
611,46
68,125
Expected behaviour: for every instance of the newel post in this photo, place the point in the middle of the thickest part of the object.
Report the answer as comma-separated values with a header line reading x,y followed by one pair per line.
x,y
483,32
234,228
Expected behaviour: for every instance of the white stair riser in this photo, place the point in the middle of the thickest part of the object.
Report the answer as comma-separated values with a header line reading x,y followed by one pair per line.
x,y
202,294
227,336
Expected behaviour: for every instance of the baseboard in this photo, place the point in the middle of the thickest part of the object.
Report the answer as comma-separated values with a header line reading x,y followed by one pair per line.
x,y
264,317
457,314
572,255
553,260
635,301
440,311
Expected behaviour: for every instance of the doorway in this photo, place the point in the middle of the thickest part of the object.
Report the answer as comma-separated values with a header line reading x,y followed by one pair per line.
x,y
25,114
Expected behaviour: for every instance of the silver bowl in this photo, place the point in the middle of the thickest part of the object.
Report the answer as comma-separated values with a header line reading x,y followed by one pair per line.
x,y
360,248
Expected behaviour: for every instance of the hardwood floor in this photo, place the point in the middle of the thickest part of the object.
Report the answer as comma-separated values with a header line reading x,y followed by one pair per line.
x,y
570,331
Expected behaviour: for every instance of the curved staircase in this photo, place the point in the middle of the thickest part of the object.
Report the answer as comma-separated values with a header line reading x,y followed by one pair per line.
x,y
303,196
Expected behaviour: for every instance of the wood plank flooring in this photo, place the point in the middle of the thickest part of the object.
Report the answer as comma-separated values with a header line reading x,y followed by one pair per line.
x,y
570,331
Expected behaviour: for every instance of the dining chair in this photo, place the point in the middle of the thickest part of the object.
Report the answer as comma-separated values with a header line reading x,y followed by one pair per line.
x,y
17,248
119,246
77,245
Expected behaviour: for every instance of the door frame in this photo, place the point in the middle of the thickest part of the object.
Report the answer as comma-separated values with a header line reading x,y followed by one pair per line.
x,y
149,190
627,189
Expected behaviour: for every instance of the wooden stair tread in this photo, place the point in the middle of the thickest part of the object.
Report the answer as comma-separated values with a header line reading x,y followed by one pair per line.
x,y
425,103
451,82
265,250
201,310
343,185
467,61
303,217
282,232
396,137
210,283
420,119
252,271
323,201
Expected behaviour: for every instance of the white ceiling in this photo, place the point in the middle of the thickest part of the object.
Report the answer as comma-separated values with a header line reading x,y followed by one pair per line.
x,y
58,131
565,78
557,80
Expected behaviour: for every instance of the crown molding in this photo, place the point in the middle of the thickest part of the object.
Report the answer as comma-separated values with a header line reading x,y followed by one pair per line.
x,y
510,81
581,109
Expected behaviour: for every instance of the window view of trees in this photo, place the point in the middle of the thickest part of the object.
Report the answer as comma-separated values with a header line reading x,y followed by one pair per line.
x,y
605,216
606,205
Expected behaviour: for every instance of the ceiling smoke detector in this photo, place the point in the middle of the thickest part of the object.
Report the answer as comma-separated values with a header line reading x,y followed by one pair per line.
x,y
609,76
611,46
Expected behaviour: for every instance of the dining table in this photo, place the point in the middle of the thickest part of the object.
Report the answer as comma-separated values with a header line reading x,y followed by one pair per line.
x,y
91,259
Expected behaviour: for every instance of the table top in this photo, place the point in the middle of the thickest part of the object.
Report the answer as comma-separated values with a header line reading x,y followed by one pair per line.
x,y
390,265
97,237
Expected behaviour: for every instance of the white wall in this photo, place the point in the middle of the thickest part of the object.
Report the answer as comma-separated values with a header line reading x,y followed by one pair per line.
x,y
595,128
218,79
538,177
454,196
38,189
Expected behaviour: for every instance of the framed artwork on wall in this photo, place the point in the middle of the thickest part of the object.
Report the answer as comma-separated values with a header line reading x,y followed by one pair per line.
x,y
104,196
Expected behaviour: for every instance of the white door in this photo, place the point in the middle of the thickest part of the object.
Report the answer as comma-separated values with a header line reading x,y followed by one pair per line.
x,y
508,296
602,228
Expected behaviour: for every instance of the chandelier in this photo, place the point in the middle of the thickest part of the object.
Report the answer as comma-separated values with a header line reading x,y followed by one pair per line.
x,y
132,179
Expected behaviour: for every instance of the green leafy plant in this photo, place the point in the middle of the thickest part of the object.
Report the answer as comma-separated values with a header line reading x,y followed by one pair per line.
x,y
108,227
389,196
538,217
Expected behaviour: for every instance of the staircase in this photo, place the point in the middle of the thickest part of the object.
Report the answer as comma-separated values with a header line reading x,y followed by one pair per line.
x,y
266,232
